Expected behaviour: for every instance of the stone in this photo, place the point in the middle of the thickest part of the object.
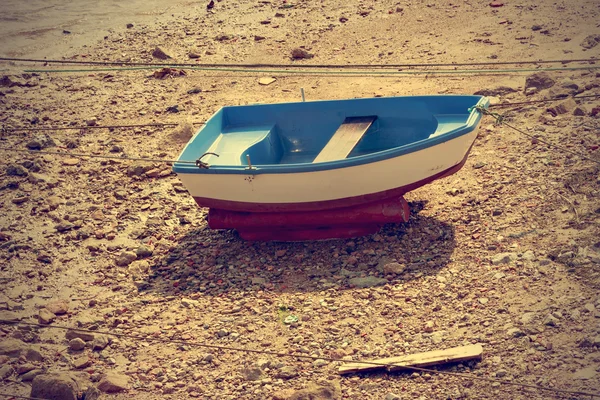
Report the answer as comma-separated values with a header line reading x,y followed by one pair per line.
x,y
515,332
590,41
100,342
299,53
125,258
551,320
483,300
114,382
392,396
143,252
193,55
538,81
394,268
528,256
324,391
71,161
40,141
504,258
189,303
29,376
16,170
32,354
160,53
286,372
5,371
85,336
437,337
367,282
501,373
45,316
24,368
76,344
252,374
266,81
58,386
58,307
92,393
319,363
590,308
565,107
82,362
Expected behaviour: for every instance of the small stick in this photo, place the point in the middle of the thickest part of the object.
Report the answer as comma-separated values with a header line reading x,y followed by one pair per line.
x,y
302,93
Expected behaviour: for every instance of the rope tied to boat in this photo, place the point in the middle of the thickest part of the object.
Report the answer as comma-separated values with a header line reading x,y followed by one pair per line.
x,y
201,164
499,120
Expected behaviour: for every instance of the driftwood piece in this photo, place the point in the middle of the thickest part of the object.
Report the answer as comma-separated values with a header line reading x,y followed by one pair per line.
x,y
428,358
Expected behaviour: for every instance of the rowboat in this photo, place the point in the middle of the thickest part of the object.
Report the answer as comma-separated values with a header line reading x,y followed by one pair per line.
x,y
324,169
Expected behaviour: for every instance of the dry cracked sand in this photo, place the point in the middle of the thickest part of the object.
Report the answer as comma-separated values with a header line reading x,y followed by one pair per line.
x,y
505,253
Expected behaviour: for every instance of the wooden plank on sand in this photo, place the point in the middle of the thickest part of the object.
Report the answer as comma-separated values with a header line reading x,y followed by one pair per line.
x,y
426,359
345,139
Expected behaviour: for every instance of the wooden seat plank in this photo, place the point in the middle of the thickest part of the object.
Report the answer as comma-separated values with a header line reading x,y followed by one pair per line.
x,y
345,139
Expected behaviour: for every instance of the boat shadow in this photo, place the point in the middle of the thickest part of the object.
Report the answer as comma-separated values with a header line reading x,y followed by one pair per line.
x,y
217,262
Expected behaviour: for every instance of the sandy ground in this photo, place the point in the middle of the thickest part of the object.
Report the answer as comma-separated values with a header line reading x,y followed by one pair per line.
x,y
505,253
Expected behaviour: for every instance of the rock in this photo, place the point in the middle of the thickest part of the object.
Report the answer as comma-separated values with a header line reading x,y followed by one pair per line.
x,y
32,354
590,308
100,342
20,199
76,344
324,391
125,258
579,112
394,268
437,337
58,386
367,282
160,53
193,55
528,256
16,170
392,396
85,336
504,258
58,307
5,371
252,373
189,303
527,318
92,393
113,382
551,320
565,107
539,81
590,41
498,91
24,368
70,161
299,53
319,363
483,300
266,81
515,332
501,373
143,252
29,376
286,372
40,141
45,316
82,362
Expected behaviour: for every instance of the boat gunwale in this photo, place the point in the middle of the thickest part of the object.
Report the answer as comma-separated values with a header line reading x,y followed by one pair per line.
x,y
471,124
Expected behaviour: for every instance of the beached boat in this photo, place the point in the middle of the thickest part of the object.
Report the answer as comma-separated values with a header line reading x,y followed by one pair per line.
x,y
324,169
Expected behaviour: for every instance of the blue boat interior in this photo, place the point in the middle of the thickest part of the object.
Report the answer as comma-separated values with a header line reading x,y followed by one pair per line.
x,y
289,134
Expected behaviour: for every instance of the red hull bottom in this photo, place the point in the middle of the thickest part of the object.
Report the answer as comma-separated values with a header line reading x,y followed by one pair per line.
x,y
337,223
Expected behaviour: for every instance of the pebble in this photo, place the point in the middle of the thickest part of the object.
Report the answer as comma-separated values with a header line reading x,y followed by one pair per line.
x,y
504,258
299,53
76,344
394,268
189,303
82,362
100,342
58,307
320,363
125,258
45,316
515,332
286,372
113,383
367,282
252,374
5,371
